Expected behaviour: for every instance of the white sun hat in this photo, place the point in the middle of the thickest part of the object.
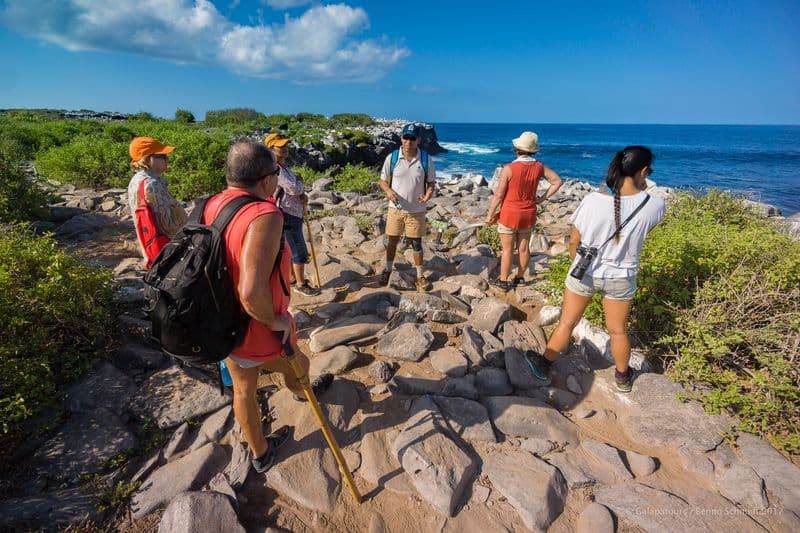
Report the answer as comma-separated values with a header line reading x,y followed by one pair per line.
x,y
527,142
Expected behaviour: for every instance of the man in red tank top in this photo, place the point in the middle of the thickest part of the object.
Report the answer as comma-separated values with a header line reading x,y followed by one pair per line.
x,y
517,193
252,242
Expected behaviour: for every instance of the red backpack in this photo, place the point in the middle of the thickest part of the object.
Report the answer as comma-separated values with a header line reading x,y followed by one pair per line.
x,y
146,229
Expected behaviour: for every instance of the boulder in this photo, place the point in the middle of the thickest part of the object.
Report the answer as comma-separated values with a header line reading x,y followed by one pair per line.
x,y
488,313
595,518
466,418
439,469
517,416
536,490
780,475
200,511
741,485
344,332
176,394
335,361
407,342
493,382
524,336
190,472
50,511
449,361
83,444
104,386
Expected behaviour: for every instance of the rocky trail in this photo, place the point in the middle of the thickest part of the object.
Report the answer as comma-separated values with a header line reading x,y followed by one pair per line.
x,y
433,404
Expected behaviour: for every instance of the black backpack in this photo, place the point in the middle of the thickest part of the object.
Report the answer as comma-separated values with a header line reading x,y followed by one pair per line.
x,y
190,298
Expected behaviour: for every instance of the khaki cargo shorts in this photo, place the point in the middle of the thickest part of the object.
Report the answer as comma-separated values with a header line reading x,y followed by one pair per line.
x,y
399,222
505,230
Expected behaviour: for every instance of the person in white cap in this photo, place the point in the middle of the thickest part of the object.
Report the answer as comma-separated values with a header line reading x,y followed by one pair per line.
x,y
517,192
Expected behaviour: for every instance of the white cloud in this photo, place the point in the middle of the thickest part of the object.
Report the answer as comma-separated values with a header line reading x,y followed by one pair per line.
x,y
319,45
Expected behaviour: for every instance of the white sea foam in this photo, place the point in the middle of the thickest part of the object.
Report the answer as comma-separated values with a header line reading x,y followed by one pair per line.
x,y
469,148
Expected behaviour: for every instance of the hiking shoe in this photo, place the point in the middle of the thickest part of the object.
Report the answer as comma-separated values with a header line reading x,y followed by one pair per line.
x,y
519,281
502,285
384,279
274,441
423,284
306,289
538,364
624,380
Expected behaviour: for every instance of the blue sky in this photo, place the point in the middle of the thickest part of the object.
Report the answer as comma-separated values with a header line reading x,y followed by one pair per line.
x,y
598,62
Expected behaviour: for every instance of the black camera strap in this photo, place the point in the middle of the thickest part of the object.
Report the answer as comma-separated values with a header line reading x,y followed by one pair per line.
x,y
638,208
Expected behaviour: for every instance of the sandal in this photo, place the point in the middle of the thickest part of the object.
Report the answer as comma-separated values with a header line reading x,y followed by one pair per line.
x,y
274,441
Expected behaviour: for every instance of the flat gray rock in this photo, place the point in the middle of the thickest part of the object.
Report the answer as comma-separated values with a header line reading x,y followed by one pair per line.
x,y
518,416
454,303
422,303
741,485
104,386
466,418
138,356
658,511
479,266
335,361
449,361
379,465
344,332
780,475
656,418
213,427
524,336
407,342
200,511
439,469
83,443
574,467
493,352
306,472
463,387
535,489
190,472
178,442
608,455
472,345
595,519
51,511
86,223
445,317
174,395
493,382
488,313
415,385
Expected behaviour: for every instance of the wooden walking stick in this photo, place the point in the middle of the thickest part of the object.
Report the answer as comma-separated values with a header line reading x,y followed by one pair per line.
x,y
313,253
302,378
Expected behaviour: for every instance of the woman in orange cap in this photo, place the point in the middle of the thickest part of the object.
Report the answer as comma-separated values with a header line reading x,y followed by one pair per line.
x,y
157,214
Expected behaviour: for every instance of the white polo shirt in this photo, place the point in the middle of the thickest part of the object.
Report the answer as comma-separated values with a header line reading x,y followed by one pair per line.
x,y
408,181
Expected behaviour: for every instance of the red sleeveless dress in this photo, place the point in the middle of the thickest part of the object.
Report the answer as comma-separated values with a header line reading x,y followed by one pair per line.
x,y
260,344
519,205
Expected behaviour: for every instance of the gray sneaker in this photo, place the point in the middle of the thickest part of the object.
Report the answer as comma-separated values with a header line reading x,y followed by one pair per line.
x,y
306,289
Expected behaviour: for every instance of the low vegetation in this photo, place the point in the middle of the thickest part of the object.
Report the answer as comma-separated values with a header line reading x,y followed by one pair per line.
x,y
719,302
54,319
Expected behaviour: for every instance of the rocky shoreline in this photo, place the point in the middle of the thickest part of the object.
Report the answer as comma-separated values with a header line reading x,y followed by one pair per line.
x,y
433,405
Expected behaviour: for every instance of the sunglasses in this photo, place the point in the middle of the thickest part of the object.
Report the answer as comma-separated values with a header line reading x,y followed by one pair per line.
x,y
273,173
159,156
409,138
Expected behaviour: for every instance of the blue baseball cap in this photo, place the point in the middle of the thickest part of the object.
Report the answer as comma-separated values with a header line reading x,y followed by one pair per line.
x,y
412,130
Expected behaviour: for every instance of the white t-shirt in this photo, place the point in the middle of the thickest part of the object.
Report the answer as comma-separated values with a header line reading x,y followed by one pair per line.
x,y
594,219
408,181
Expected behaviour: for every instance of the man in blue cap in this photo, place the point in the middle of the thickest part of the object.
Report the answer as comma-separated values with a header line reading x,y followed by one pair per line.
x,y
407,178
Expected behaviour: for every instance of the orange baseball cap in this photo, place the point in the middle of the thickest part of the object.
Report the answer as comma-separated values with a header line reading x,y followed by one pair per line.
x,y
142,147
275,139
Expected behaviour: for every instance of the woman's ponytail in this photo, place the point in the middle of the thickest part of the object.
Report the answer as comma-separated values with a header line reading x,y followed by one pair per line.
x,y
624,164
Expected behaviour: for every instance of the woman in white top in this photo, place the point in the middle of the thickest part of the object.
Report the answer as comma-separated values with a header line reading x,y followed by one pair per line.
x,y
612,270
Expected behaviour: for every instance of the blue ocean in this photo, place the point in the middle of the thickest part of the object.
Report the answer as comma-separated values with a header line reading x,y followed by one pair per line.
x,y
760,162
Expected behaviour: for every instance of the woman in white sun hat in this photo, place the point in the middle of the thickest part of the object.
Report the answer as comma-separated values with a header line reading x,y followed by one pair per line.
x,y
517,195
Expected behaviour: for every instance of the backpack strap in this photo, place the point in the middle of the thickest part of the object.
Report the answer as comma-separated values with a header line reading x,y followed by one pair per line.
x,y
231,208
423,160
392,163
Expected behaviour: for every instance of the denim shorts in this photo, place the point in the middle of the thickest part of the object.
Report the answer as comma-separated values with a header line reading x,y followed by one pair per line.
x,y
611,288
293,231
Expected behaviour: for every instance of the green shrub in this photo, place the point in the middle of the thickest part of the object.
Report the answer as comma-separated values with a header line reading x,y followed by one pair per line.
x,y
366,223
225,117
54,317
351,119
308,174
488,235
143,116
87,162
184,115
356,178
20,198
357,137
